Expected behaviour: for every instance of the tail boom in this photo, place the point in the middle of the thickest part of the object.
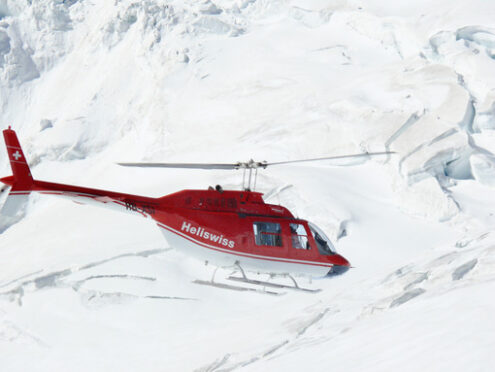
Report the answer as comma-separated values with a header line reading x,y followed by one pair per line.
x,y
118,201
22,184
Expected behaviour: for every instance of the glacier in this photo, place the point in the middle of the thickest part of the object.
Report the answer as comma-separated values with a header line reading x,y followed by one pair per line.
x,y
87,84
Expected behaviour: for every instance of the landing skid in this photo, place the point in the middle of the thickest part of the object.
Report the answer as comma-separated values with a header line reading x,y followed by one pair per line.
x,y
260,283
236,288
273,285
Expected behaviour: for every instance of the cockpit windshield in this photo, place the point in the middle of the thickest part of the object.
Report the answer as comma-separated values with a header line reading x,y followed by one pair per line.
x,y
325,246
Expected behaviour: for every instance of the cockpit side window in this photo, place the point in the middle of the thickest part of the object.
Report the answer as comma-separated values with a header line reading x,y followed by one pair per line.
x,y
267,233
325,246
299,237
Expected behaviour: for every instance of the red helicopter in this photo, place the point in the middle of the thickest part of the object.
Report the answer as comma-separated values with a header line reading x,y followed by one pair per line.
x,y
224,227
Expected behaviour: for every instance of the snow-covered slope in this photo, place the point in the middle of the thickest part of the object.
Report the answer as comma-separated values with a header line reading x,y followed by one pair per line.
x,y
89,83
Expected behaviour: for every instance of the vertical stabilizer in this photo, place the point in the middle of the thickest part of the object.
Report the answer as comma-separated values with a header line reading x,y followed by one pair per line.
x,y
23,181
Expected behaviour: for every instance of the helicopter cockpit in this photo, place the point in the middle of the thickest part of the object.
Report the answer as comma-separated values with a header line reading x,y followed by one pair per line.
x,y
325,246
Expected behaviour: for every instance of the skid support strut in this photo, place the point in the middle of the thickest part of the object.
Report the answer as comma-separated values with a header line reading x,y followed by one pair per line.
x,y
212,283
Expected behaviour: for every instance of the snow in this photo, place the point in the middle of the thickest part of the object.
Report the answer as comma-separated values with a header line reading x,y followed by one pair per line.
x,y
87,84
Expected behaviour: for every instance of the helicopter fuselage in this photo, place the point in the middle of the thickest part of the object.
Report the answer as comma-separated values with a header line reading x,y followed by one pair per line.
x,y
231,227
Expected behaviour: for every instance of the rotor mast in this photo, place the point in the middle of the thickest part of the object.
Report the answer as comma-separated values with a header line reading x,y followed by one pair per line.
x,y
249,167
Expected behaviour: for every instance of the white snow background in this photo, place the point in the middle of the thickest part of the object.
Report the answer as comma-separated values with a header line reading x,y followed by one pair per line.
x,y
90,83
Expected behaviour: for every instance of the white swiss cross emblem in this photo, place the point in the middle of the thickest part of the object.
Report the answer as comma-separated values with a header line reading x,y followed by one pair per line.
x,y
17,155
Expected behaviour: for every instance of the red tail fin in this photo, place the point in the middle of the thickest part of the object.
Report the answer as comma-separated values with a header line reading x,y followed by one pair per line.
x,y
23,181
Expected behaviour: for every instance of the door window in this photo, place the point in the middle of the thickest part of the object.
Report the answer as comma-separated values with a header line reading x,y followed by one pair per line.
x,y
299,237
267,233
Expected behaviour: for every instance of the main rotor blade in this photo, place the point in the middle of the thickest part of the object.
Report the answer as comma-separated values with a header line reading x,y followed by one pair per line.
x,y
182,165
247,165
365,154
